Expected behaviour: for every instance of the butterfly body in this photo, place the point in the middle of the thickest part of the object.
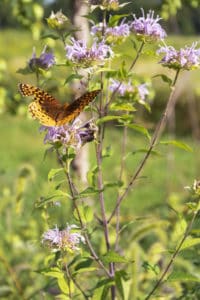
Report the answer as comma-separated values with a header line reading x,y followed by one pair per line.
x,y
51,112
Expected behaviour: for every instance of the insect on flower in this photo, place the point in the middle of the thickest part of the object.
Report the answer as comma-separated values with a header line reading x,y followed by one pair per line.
x,y
51,112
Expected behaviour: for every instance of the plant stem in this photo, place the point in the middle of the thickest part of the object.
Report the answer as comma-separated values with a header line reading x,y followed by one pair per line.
x,y
158,283
70,277
155,137
123,152
74,192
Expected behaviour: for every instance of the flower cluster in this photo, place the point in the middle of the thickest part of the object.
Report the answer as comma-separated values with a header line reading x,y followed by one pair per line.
x,y
127,89
187,58
80,54
44,61
147,28
112,34
74,135
66,239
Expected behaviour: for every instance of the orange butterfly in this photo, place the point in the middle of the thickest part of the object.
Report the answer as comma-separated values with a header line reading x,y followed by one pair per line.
x,y
51,112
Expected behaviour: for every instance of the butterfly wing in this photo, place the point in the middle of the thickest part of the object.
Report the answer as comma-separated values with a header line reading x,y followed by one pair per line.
x,y
45,107
70,111
49,111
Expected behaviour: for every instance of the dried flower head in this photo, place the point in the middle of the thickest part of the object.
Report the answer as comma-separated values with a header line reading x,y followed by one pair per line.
x,y
67,239
59,22
147,28
187,58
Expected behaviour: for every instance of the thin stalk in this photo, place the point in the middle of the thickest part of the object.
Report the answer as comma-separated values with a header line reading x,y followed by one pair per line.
x,y
155,137
74,192
158,283
123,152
99,147
68,282
71,278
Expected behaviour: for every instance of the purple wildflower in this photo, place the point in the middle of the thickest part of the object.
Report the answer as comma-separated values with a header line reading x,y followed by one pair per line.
x,y
187,58
128,89
112,34
148,27
44,61
142,91
63,239
122,88
74,135
87,57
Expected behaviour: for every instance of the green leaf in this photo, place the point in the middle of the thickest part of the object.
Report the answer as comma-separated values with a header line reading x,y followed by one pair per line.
x,y
178,144
58,195
190,242
182,276
91,175
87,192
113,256
53,272
107,152
72,77
141,150
104,282
113,20
124,4
50,35
86,214
24,71
117,183
86,263
111,118
83,270
122,106
64,286
140,129
118,280
165,78
53,172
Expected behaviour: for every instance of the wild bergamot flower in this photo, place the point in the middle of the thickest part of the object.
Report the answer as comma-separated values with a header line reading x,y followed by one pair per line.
x,y
147,28
85,56
45,61
113,34
187,58
67,239
74,135
126,89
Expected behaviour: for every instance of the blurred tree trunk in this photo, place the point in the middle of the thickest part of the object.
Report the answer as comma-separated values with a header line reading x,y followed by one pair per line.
x,y
80,9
